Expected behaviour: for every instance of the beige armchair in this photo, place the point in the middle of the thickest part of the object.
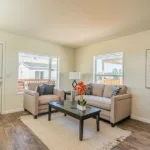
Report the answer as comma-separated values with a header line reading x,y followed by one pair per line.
x,y
36,104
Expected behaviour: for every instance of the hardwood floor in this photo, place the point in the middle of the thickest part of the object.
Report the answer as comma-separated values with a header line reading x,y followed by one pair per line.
x,y
14,135
140,138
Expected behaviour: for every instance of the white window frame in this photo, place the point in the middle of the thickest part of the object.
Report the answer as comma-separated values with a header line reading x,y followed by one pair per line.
x,y
58,67
94,66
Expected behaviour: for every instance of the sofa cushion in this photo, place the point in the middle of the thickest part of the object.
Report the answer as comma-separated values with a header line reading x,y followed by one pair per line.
x,y
116,90
89,90
101,102
98,89
44,99
108,90
123,89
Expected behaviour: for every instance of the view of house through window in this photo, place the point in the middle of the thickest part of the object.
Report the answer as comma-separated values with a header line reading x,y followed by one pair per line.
x,y
37,69
109,69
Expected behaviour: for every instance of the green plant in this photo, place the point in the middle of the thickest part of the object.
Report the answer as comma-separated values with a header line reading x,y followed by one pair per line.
x,y
81,101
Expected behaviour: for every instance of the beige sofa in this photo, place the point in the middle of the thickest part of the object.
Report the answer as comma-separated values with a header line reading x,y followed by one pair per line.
x,y
113,108
36,104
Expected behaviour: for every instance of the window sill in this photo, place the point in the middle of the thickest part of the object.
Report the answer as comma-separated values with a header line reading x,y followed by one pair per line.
x,y
20,93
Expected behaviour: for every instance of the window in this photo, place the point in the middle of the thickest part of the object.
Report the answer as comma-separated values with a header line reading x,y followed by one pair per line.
x,y
109,69
36,69
39,74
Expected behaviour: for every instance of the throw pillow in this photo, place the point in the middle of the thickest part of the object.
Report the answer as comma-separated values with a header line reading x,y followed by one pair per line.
x,y
89,90
40,89
116,90
49,88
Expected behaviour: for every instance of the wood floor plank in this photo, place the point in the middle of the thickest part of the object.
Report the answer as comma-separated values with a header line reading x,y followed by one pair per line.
x,y
3,138
14,135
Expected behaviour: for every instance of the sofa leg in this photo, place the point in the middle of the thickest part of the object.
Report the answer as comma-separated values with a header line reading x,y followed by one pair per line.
x,y
35,117
112,125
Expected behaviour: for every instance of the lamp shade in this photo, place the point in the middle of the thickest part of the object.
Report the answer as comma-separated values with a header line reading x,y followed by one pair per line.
x,y
74,75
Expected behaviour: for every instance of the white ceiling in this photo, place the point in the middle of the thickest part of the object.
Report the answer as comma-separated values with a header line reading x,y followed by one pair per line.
x,y
74,23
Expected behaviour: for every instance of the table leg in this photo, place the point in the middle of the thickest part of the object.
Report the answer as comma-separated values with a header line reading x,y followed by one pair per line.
x,y
49,113
81,124
65,96
97,121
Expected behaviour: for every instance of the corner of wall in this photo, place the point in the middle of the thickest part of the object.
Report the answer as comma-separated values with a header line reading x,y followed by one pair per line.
x,y
140,119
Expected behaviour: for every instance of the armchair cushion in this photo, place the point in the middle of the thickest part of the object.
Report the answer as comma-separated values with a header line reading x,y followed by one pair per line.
x,y
48,89
40,89
45,89
44,99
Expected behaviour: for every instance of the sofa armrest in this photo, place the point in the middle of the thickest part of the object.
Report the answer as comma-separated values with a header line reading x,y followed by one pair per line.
x,y
31,101
121,97
30,92
74,93
120,107
60,93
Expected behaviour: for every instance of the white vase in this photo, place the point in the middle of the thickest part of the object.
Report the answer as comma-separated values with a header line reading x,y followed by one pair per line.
x,y
82,108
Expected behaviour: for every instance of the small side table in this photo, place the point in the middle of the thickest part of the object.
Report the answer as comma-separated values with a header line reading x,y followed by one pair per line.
x,y
66,93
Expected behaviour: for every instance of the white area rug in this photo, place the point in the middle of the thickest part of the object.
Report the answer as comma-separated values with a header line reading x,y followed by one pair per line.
x,y
62,133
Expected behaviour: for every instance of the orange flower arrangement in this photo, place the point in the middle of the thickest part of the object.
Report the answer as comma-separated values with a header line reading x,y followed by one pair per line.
x,y
81,88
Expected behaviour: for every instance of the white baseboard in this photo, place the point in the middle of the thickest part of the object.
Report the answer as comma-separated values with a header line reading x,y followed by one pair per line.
x,y
140,119
13,111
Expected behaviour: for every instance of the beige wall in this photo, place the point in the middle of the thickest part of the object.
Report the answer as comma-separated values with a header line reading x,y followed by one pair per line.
x,y
15,44
134,48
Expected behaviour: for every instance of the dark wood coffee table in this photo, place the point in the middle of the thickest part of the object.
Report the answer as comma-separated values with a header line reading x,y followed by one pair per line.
x,y
69,108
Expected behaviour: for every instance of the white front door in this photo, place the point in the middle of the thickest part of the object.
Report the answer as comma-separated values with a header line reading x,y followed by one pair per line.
x,y
1,75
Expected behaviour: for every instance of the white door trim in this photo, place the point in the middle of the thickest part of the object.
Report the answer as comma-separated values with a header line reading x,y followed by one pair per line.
x,y
3,75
